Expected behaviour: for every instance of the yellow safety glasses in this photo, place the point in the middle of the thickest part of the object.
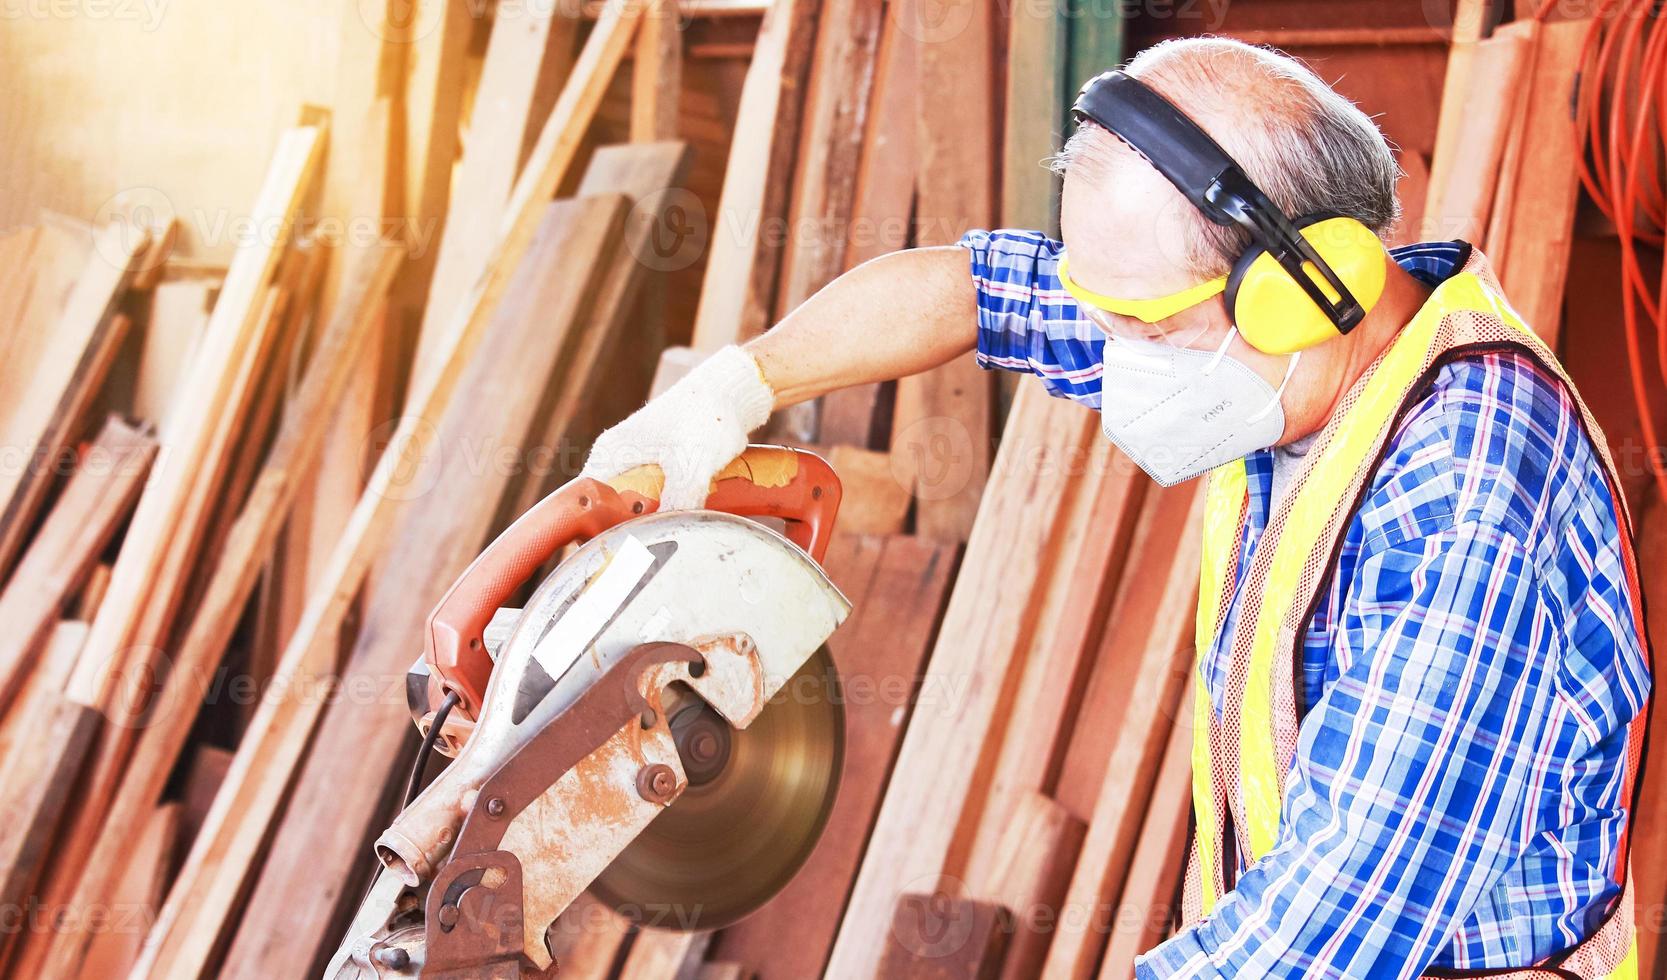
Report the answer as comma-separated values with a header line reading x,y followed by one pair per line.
x,y
1112,315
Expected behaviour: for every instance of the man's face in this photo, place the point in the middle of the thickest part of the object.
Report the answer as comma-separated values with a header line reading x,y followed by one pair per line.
x,y
1125,233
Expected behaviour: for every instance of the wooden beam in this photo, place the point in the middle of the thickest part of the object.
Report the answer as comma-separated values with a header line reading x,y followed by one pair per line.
x,y
179,310
1010,565
1098,525
658,954
1031,116
1148,903
1149,686
588,939
830,145
942,937
657,73
1483,77
1649,837
137,895
941,431
97,498
737,293
36,789
1533,220
523,37
898,585
190,446
1152,614
270,748
249,545
874,500
881,216
643,172
335,808
39,418
1038,852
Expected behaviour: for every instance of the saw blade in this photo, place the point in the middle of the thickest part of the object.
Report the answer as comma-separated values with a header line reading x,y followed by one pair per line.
x,y
756,803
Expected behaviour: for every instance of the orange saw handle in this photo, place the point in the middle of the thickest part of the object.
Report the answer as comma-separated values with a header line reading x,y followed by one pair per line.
x,y
764,481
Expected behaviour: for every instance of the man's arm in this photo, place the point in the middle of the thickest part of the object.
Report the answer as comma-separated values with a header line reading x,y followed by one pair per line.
x,y
896,315
1410,792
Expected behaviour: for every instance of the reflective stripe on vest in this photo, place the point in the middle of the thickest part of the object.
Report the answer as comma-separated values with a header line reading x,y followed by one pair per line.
x,y
1314,518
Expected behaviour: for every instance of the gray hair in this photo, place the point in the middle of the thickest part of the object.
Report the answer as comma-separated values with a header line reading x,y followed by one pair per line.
x,y
1307,147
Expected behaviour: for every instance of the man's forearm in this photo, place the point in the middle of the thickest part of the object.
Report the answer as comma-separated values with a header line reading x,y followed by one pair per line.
x,y
896,315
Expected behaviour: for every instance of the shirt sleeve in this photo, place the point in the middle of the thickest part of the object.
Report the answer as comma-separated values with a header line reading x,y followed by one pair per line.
x,y
1027,322
1409,795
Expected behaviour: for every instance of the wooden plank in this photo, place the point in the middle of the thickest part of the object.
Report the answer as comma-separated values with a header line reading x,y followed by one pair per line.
x,y
36,790
92,594
657,73
1534,227
361,189
249,544
335,806
523,37
1031,115
97,498
726,971
162,242
1153,614
588,939
659,954
1008,569
898,585
830,147
1143,914
941,937
189,445
1099,524
208,768
1483,77
874,500
737,295
880,219
129,706
267,755
1038,852
45,265
38,419
136,897
1649,837
179,311
647,173
1150,686
20,727
941,429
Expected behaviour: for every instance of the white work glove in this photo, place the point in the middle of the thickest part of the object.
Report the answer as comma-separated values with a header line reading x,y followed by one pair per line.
x,y
692,430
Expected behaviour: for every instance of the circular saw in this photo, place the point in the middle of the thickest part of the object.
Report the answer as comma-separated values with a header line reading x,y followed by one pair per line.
x,y
660,724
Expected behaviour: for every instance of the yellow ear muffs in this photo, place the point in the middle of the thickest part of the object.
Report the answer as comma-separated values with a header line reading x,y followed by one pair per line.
x,y
1271,310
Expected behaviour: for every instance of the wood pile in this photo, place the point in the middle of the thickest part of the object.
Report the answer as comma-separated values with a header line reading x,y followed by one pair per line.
x,y
239,488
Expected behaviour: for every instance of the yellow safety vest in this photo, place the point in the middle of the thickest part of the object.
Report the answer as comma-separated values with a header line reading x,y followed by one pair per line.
x,y
1240,758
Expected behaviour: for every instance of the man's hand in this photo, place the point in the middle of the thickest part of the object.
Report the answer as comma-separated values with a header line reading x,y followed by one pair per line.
x,y
692,430
892,316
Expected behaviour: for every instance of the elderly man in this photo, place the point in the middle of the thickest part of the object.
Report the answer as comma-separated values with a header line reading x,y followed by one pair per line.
x,y
1421,668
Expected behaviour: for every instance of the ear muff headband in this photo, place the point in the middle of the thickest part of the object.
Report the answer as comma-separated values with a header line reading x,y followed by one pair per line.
x,y
1210,179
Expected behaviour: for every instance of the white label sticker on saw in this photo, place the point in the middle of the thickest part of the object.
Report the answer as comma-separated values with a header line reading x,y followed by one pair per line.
x,y
596,605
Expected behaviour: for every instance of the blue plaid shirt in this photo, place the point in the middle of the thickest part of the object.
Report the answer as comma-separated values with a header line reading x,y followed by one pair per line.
x,y
1467,682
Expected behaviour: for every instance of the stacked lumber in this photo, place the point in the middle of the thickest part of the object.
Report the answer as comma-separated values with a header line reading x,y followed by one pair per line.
x,y
251,479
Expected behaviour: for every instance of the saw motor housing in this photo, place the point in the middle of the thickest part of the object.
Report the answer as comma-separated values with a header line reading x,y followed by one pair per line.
x,y
567,752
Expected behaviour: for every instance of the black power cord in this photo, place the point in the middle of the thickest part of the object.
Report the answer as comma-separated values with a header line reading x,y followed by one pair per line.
x,y
415,785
